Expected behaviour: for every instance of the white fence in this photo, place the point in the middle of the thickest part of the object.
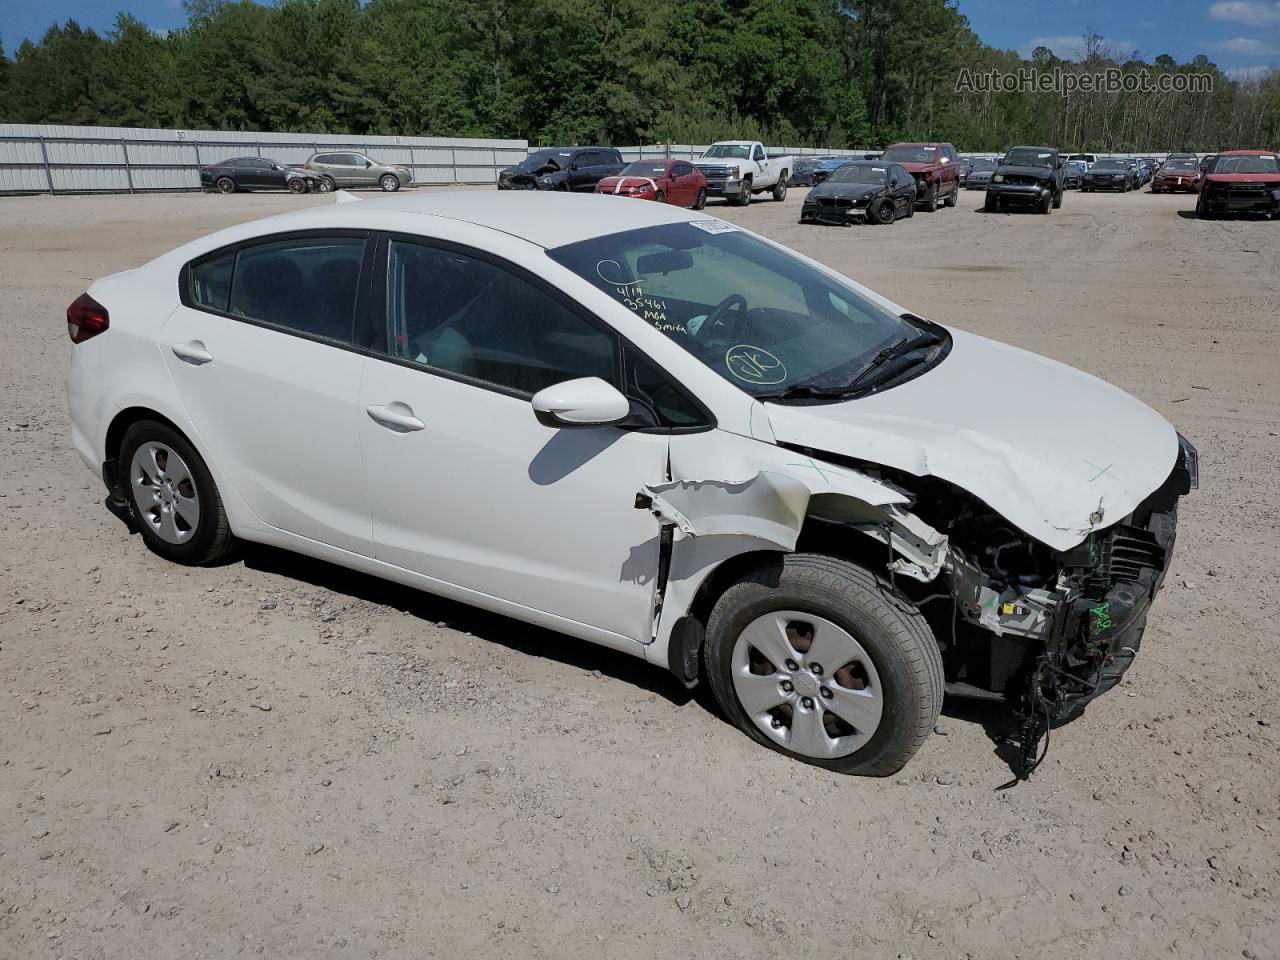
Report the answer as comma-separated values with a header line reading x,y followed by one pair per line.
x,y
46,158
690,151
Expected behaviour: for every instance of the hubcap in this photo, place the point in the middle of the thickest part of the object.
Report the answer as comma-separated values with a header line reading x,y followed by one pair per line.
x,y
807,684
165,492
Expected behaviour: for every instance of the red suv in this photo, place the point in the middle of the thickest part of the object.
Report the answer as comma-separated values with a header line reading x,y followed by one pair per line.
x,y
936,169
676,182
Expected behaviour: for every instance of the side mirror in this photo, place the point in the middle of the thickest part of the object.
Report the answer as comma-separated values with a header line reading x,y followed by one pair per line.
x,y
587,402
368,163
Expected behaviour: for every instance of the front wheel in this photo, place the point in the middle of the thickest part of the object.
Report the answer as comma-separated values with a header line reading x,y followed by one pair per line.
x,y
172,496
1046,203
1057,201
953,197
822,660
326,185
744,198
659,197
882,212
297,185
930,202
389,183
780,189
701,202
991,205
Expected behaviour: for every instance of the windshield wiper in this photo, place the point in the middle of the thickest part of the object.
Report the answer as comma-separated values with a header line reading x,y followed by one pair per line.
x,y
875,368
804,391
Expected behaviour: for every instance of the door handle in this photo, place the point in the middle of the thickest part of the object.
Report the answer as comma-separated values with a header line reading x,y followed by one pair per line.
x,y
193,352
396,416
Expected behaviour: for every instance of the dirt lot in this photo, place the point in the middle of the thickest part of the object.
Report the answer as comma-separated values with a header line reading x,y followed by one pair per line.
x,y
278,757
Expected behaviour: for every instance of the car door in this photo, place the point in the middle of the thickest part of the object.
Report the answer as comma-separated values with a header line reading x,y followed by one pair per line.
x,y
584,171
264,355
467,487
761,160
364,172
899,186
262,174
686,183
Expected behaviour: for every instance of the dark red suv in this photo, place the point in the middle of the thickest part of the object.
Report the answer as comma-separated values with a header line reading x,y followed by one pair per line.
x,y
936,168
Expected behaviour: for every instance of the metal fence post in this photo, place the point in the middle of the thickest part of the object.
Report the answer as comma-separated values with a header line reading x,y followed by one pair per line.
x,y
493,171
128,170
453,163
48,174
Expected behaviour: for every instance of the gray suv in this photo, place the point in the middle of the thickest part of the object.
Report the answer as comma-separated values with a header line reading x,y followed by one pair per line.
x,y
342,169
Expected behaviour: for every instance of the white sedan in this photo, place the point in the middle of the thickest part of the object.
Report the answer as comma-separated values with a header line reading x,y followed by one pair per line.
x,y
647,428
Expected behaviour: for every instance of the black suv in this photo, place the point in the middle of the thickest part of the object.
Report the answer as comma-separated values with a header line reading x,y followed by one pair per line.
x,y
562,168
1027,177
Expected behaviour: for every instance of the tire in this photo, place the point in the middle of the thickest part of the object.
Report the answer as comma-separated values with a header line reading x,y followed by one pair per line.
x,y
780,188
744,198
930,203
225,185
911,211
205,540
894,652
659,197
297,185
1046,205
326,185
953,197
882,213
1057,200
701,202
992,204
1203,211
389,183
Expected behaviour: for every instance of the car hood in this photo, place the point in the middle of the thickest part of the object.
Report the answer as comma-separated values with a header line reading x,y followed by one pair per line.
x,y
850,191
1243,178
1106,172
1021,171
1055,451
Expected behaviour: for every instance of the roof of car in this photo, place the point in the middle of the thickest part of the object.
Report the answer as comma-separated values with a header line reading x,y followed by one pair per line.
x,y
546,218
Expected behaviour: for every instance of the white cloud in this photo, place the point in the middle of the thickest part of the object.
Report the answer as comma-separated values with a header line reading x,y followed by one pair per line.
x,y
1248,74
1248,46
1072,47
1255,13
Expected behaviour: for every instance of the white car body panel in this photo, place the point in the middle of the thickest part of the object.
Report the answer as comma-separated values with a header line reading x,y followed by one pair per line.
x,y
487,506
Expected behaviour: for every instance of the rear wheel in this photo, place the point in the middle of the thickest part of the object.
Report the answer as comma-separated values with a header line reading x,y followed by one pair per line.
x,y
225,185
389,183
172,496
780,189
821,660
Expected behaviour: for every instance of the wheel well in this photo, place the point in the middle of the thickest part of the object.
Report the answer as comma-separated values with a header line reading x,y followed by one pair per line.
x,y
115,434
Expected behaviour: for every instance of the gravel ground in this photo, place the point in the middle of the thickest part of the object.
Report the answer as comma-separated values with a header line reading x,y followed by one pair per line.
x,y
280,757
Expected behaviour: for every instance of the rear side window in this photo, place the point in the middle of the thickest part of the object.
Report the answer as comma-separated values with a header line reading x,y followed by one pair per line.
x,y
211,282
307,284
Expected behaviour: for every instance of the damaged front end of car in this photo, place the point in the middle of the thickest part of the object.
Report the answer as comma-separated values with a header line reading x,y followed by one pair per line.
x,y
1017,621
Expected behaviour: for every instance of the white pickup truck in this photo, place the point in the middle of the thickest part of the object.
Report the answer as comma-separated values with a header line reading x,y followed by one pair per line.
x,y
738,168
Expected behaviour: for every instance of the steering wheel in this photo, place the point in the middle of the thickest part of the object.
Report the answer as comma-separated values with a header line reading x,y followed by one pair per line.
x,y
716,317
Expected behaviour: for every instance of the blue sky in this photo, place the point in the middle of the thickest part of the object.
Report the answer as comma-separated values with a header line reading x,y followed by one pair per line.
x,y
1238,35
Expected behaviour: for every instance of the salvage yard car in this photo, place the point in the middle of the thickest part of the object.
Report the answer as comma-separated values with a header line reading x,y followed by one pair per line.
x,y
664,181
259,173
565,168
1110,174
650,429
1175,175
1240,181
936,168
736,169
341,170
871,191
1028,177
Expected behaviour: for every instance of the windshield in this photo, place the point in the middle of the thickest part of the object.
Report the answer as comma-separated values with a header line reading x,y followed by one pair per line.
x,y
731,151
910,155
1182,165
1109,165
1245,165
644,169
1029,157
983,165
758,316
857,173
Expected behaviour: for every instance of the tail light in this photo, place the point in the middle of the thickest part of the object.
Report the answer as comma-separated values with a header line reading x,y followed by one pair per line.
x,y
86,318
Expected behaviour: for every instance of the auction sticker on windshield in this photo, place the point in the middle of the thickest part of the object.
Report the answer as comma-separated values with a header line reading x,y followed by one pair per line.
x,y
754,365
713,226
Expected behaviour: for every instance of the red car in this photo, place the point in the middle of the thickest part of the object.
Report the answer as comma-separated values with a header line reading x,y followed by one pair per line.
x,y
936,168
677,182
1241,181
1175,175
